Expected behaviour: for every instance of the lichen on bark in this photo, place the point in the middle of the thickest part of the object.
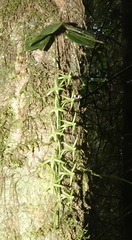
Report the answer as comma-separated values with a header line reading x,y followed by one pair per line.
x,y
28,201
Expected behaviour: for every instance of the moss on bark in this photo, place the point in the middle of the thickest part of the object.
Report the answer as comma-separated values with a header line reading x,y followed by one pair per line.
x,y
29,203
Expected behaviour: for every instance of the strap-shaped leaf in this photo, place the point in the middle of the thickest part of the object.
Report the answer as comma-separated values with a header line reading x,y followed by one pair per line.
x,y
46,32
38,45
80,39
45,39
80,31
51,28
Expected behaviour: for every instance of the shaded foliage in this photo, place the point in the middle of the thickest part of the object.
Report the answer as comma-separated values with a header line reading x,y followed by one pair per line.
x,y
127,117
101,108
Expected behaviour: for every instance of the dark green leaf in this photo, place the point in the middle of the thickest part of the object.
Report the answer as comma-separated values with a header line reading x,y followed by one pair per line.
x,y
46,37
70,28
46,32
80,39
51,28
80,32
38,45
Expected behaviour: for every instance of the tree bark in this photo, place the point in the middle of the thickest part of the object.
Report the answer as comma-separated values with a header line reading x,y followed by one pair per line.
x,y
29,203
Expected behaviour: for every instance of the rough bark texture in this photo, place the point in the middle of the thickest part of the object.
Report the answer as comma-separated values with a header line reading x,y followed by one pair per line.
x,y
127,127
28,201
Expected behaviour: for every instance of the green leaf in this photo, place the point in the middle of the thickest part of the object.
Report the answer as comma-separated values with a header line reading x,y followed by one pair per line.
x,y
42,40
80,36
81,31
80,39
78,30
46,37
46,32
39,45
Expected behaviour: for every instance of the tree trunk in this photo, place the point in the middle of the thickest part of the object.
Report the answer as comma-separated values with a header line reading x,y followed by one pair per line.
x,y
127,124
38,187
